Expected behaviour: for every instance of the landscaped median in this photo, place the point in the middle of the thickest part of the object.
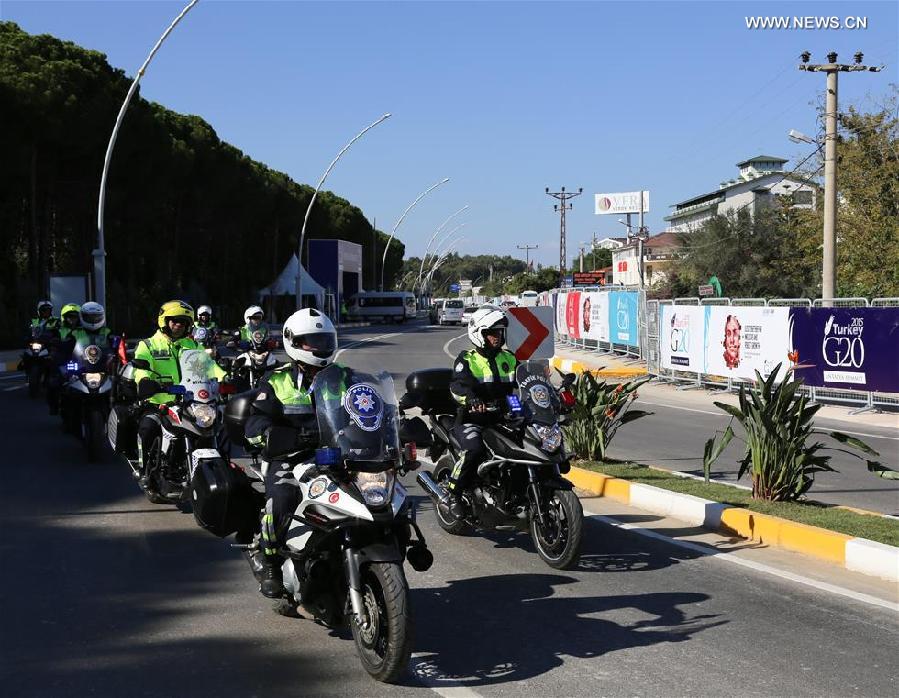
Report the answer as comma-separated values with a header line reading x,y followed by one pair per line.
x,y
573,366
859,542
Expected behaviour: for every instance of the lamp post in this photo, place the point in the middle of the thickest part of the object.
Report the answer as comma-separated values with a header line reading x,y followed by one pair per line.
x,y
99,254
299,283
441,259
436,232
408,208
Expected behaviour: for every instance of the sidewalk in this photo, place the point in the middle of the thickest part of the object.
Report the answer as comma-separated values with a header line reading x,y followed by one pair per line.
x,y
9,360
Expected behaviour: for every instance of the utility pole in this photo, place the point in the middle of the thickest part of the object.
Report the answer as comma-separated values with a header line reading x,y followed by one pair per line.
x,y
562,207
527,256
832,69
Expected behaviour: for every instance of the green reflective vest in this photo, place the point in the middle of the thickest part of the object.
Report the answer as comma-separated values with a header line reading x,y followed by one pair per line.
x,y
85,337
163,353
51,323
298,401
479,365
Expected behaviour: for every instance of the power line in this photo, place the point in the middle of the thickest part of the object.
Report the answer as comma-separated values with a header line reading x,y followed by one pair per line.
x,y
562,207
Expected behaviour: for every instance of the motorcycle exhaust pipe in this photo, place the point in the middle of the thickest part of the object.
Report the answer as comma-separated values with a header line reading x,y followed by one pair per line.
x,y
427,483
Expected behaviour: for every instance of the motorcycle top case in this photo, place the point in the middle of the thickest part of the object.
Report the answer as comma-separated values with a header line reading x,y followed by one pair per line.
x,y
223,500
237,411
428,390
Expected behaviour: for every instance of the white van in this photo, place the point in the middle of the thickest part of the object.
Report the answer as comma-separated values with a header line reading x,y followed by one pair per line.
x,y
398,306
450,312
528,299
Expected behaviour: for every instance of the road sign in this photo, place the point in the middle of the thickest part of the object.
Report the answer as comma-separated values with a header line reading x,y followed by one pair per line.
x,y
465,285
706,290
454,288
530,333
589,278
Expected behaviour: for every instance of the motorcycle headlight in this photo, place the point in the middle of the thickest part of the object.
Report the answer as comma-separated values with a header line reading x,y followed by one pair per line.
x,y
550,437
375,487
203,414
36,346
92,354
93,380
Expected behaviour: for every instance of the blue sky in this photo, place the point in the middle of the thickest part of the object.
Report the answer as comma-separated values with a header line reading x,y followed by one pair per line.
x,y
505,98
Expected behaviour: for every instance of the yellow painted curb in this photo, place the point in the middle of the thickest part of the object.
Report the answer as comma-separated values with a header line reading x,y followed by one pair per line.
x,y
770,530
580,367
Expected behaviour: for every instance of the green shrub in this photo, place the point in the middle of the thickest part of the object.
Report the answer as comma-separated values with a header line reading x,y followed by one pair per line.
x,y
778,425
601,408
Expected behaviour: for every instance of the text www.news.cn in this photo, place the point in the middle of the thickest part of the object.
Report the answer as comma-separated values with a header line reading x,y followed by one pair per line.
x,y
810,22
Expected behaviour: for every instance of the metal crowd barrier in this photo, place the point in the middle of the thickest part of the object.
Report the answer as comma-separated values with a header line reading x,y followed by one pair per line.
x,y
650,349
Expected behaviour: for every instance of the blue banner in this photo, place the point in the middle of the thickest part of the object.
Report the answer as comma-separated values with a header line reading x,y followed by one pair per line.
x,y
855,348
623,327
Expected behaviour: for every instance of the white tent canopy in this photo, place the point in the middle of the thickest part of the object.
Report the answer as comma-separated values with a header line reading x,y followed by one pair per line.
x,y
286,283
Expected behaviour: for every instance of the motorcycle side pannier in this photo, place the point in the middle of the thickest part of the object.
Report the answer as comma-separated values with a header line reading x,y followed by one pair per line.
x,y
121,429
222,499
124,386
428,390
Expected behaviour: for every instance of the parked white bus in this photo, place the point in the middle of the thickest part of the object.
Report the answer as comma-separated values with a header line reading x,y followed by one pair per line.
x,y
398,306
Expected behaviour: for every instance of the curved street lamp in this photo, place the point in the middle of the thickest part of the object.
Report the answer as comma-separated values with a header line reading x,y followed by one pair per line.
x,y
299,283
100,253
397,225
441,259
436,232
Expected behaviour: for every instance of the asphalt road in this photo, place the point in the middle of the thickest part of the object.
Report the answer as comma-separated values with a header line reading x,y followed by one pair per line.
x,y
104,594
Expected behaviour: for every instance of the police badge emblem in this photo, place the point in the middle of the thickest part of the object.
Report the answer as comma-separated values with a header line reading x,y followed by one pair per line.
x,y
365,406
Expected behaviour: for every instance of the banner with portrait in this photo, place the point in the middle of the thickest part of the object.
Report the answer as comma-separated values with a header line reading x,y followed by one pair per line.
x,y
849,348
740,340
682,335
560,306
595,316
623,327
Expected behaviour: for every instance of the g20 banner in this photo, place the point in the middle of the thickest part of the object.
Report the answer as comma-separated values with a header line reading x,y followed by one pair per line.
x,y
623,328
682,334
855,348
741,340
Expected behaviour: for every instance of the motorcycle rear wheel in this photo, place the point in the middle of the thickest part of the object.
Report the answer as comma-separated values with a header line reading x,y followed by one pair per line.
x,y
385,645
558,543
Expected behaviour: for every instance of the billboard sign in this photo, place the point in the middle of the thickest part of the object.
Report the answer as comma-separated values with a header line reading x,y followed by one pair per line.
x,y
625,202
682,334
740,340
589,278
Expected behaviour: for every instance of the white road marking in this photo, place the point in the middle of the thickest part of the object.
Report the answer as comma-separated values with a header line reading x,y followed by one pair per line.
x,y
723,414
425,678
446,346
757,566
353,345
15,387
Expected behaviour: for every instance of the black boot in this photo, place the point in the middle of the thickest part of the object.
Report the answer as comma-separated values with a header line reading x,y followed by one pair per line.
x,y
271,583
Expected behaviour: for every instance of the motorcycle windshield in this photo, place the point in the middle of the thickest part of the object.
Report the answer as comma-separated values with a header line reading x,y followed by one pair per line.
x,y
357,413
536,393
198,375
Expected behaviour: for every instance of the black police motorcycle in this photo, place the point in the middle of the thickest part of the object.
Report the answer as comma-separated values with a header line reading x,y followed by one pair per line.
x,y
35,361
353,528
84,398
520,485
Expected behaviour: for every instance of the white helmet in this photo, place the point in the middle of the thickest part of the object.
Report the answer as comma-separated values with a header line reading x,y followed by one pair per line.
x,y
93,316
44,304
204,310
484,319
309,328
251,311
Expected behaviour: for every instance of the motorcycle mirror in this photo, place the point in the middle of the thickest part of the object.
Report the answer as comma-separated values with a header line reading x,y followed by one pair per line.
x,y
147,388
142,364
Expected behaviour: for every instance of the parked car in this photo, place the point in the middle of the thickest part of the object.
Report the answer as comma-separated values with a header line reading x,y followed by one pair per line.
x,y
468,312
450,313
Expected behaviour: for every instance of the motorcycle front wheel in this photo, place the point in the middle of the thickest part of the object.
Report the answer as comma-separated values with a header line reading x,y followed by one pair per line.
x,y
385,643
94,434
558,539
34,380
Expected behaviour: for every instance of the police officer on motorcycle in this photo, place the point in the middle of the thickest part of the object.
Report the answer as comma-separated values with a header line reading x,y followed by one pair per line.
x,y
204,319
44,321
61,346
162,351
253,320
282,421
482,377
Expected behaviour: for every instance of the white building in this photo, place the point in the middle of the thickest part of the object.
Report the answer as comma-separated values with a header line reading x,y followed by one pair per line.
x,y
610,243
660,252
760,179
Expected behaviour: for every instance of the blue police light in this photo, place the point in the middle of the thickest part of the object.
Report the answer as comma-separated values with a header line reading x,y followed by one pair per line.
x,y
176,390
327,456
514,403
72,367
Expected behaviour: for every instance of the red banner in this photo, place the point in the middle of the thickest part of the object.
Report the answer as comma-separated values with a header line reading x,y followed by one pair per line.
x,y
572,311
